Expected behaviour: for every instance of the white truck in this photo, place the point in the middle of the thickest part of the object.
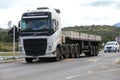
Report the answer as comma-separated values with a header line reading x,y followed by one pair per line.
x,y
41,36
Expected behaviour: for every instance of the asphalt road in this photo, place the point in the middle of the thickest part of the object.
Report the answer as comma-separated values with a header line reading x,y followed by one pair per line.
x,y
106,66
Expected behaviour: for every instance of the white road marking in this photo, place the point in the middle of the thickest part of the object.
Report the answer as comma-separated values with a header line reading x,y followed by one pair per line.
x,y
93,59
70,77
89,72
92,72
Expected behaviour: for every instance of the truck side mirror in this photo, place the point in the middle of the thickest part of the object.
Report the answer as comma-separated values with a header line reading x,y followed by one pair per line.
x,y
19,23
55,24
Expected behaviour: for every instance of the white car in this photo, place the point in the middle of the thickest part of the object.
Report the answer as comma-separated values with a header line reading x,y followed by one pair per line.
x,y
111,46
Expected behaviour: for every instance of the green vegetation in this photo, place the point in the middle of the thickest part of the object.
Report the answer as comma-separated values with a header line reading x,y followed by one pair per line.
x,y
10,54
6,47
108,33
5,41
4,37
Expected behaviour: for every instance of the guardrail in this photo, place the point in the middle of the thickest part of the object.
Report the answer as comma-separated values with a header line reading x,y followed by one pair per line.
x,y
9,56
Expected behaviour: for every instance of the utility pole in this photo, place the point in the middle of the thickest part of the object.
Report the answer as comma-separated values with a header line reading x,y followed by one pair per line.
x,y
12,33
14,42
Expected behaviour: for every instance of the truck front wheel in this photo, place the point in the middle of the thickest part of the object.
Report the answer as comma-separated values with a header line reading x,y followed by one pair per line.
x,y
29,60
58,55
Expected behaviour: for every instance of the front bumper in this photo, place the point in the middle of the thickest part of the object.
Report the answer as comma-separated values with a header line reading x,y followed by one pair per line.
x,y
112,49
44,56
47,55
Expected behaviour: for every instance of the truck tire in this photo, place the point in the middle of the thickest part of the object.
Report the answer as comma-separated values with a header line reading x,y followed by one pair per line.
x,y
67,55
77,51
29,60
58,55
92,51
65,51
72,55
72,52
96,51
96,54
77,55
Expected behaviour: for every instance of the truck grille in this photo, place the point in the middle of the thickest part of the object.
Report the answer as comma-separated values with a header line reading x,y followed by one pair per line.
x,y
35,47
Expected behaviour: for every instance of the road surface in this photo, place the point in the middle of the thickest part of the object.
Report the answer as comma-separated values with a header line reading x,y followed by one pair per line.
x,y
106,66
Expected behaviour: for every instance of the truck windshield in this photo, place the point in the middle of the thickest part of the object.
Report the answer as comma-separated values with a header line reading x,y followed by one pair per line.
x,y
35,24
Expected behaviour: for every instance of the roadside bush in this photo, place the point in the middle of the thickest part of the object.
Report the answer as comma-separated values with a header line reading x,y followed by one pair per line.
x,y
7,47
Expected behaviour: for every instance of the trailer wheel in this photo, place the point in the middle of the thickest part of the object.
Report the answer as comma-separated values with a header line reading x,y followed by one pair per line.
x,y
72,52
77,51
66,55
96,51
65,51
92,51
58,55
77,55
29,60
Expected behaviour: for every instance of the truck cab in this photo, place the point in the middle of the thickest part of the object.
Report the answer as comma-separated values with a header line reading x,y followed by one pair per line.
x,y
40,33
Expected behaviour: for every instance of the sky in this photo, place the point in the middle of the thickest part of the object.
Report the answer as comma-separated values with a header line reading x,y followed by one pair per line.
x,y
73,12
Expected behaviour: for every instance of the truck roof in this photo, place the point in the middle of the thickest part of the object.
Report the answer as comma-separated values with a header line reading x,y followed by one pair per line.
x,y
45,9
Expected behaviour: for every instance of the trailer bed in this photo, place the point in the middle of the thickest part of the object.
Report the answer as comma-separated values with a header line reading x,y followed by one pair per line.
x,y
81,36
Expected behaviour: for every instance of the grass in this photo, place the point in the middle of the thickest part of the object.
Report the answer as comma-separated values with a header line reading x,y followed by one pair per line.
x,y
7,47
9,54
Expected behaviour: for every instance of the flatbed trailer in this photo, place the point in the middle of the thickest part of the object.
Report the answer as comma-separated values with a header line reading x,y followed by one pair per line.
x,y
77,43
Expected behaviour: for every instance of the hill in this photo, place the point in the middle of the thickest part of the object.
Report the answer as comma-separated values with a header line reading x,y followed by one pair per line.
x,y
116,25
107,32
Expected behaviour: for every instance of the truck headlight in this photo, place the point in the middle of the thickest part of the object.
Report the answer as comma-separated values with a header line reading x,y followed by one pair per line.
x,y
50,47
